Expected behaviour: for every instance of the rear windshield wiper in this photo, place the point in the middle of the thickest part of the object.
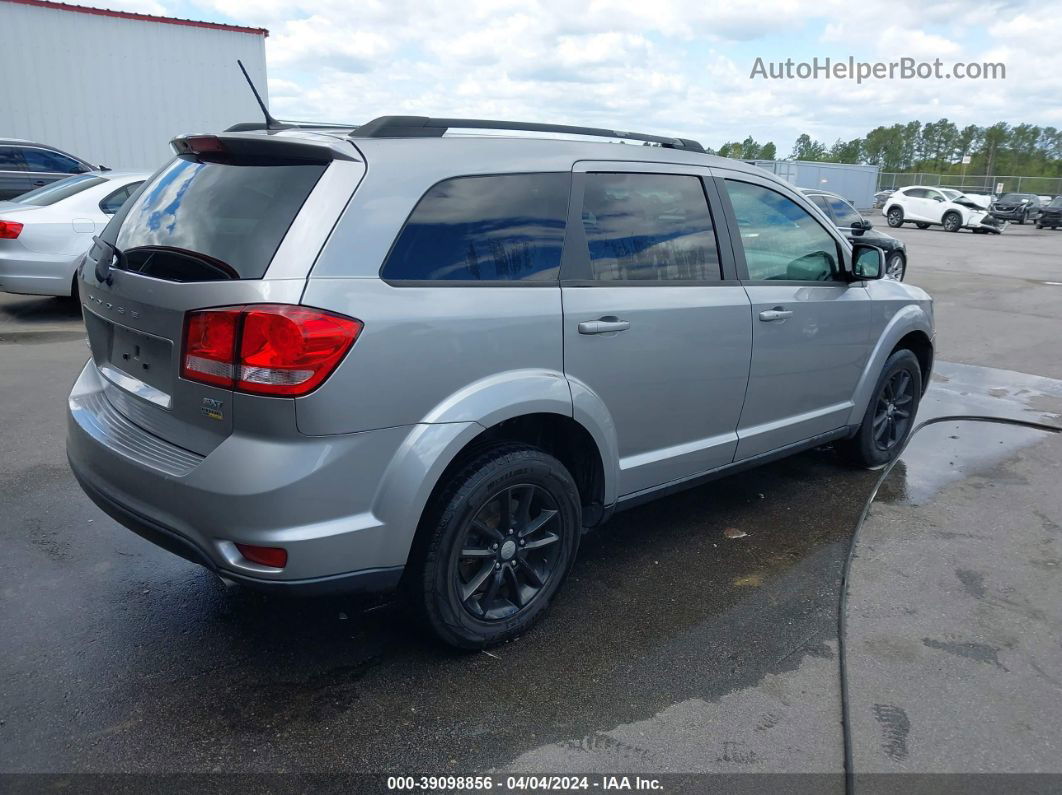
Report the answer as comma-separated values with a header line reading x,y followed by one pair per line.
x,y
106,260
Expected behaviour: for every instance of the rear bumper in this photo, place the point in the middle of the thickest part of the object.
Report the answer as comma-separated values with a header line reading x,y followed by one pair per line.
x,y
367,580
312,496
31,273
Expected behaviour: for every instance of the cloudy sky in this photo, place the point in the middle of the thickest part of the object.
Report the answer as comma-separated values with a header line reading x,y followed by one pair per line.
x,y
677,67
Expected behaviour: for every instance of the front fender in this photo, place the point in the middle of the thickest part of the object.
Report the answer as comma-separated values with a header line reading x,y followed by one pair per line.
x,y
909,318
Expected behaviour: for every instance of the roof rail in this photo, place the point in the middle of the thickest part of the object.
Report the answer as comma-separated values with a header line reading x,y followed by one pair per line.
x,y
248,126
426,127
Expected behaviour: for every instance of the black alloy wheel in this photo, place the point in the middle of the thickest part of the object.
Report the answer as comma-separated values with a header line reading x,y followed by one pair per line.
x,y
509,552
893,414
495,544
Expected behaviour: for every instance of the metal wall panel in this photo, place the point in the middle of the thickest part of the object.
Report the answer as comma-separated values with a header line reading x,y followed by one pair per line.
x,y
115,91
856,183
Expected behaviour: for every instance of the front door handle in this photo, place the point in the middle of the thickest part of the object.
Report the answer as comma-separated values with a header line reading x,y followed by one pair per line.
x,y
604,325
778,313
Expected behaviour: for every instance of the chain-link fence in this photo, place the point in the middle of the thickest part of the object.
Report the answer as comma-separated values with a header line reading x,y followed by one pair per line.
x,y
973,183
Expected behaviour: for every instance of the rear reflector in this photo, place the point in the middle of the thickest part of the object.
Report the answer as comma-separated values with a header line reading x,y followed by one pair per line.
x,y
265,349
9,230
276,557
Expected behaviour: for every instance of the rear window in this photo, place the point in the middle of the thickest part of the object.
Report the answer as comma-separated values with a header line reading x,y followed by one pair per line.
x,y
648,228
57,191
484,229
212,221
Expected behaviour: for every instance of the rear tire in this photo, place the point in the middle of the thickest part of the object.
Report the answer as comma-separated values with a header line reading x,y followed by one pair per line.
x,y
952,222
884,430
476,582
895,217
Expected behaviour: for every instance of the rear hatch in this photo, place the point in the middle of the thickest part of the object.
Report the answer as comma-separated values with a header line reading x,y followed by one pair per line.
x,y
233,220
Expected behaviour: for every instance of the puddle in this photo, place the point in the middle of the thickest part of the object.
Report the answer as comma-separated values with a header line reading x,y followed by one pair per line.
x,y
949,451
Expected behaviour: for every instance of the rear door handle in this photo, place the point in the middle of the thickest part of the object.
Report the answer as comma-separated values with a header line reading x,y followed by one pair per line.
x,y
778,313
604,325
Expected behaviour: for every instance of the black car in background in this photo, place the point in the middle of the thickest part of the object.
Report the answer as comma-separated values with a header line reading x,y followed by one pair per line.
x,y
26,166
1051,214
1020,207
859,230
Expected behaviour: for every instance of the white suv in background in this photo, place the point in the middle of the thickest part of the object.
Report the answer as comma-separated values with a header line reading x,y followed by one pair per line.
x,y
925,206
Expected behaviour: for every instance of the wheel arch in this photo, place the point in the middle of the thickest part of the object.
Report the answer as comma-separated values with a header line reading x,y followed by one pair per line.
x,y
909,328
534,408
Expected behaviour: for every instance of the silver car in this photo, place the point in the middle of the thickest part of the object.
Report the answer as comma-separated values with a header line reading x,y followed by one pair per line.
x,y
44,233
400,357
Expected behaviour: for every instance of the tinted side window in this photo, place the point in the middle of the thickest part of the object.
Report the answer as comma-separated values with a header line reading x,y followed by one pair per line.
x,y
649,227
508,227
781,240
113,203
11,159
917,193
45,160
843,213
820,201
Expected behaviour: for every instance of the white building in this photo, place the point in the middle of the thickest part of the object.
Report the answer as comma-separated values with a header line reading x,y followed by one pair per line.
x,y
114,87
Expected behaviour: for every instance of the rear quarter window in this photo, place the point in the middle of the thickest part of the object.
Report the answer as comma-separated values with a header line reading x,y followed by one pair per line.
x,y
500,228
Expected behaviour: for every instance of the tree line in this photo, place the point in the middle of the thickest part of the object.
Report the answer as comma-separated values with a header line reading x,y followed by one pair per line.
x,y
936,146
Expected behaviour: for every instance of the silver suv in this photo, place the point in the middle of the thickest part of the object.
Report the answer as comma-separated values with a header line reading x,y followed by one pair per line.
x,y
356,360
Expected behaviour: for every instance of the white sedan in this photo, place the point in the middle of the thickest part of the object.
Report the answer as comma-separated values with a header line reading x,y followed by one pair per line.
x,y
43,233
925,206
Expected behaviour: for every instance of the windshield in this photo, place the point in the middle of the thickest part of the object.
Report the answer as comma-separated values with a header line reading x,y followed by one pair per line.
x,y
57,191
952,194
209,221
1012,197
1056,202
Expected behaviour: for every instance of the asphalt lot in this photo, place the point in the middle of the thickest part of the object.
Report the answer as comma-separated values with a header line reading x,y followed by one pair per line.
x,y
673,647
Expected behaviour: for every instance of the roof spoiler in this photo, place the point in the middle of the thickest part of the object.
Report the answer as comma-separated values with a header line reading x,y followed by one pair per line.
x,y
257,148
426,127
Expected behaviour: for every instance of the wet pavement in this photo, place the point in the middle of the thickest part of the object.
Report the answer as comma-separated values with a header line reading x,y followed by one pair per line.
x,y
673,646
955,613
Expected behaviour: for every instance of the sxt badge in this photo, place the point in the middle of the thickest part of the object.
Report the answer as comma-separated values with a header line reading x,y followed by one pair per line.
x,y
212,408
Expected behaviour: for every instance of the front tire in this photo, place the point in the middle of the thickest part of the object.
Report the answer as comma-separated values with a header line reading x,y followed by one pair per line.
x,y
1021,221
896,266
895,217
952,222
890,416
500,537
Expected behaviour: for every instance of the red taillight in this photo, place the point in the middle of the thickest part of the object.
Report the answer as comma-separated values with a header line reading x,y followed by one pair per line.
x,y
276,557
266,349
209,346
9,230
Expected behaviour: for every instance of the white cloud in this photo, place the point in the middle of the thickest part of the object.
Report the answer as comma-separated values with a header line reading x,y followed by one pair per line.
x,y
671,66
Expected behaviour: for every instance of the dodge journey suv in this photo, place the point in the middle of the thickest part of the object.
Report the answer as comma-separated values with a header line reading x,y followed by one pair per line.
x,y
396,356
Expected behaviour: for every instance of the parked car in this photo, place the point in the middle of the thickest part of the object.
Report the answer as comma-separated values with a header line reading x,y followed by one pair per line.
x,y
927,206
25,166
45,232
882,196
389,357
858,229
1020,207
1051,214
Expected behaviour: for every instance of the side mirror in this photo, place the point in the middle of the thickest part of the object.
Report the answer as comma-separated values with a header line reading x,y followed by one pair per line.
x,y
861,226
938,199
868,262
